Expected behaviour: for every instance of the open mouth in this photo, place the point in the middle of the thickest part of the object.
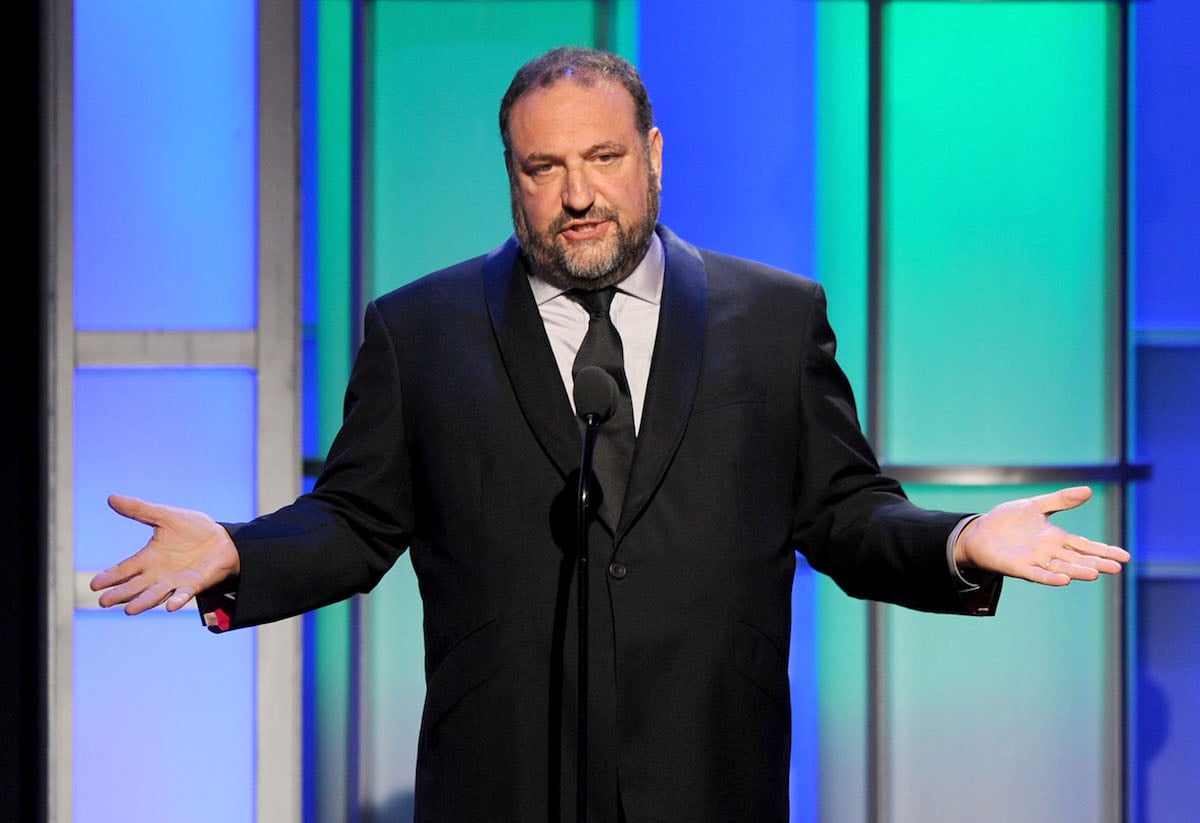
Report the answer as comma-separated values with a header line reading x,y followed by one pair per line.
x,y
585,230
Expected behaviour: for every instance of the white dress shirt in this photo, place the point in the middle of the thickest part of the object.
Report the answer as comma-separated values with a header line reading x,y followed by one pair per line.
x,y
634,312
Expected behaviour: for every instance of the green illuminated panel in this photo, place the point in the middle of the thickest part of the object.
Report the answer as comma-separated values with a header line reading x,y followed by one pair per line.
x,y
1010,711
334,142
840,253
330,688
841,180
436,188
436,193
997,223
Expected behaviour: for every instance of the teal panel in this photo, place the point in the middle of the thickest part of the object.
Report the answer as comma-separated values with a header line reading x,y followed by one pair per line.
x,y
393,691
840,264
841,643
1009,711
997,216
840,178
436,191
327,152
334,96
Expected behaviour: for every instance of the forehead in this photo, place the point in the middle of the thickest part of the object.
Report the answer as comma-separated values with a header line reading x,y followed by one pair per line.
x,y
569,115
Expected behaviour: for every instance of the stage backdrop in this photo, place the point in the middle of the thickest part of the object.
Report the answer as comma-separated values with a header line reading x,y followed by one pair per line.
x,y
999,198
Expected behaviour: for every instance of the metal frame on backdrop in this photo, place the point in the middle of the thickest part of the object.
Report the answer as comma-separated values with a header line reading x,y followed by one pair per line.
x,y
270,350
1118,474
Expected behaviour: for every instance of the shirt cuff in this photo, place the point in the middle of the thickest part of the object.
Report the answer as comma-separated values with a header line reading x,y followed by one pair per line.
x,y
979,595
964,585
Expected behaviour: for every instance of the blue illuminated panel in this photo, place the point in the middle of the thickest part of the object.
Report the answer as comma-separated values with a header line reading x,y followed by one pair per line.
x,y
1168,411
1166,149
164,164
802,672
164,720
733,95
1168,717
178,436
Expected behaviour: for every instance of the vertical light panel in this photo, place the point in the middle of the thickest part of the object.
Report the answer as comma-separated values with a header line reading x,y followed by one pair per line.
x,y
1166,267
1010,711
1167,412
165,235
1167,172
840,263
1168,700
161,729
171,377
1000,347
435,193
738,177
328,215
326,154
164,165
737,132
996,213
435,183
198,424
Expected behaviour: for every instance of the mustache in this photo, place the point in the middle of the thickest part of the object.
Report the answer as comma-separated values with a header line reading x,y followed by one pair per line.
x,y
592,213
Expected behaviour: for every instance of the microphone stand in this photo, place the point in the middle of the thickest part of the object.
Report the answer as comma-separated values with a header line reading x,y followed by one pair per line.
x,y
592,426
595,395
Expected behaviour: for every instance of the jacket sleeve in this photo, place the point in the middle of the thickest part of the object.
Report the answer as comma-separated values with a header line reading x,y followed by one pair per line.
x,y
853,522
343,536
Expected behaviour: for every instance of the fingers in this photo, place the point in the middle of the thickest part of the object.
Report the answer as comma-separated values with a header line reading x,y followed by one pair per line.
x,y
1077,558
127,591
1089,557
115,575
140,595
179,598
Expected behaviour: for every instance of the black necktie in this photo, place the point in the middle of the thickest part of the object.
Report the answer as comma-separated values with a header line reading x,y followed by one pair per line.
x,y
614,445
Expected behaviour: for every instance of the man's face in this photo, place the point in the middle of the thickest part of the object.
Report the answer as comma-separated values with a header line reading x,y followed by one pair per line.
x,y
584,182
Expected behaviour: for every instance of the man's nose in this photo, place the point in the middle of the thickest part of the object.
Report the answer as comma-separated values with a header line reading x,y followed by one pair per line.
x,y
578,194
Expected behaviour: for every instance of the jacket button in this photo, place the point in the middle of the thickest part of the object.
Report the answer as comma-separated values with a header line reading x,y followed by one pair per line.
x,y
618,570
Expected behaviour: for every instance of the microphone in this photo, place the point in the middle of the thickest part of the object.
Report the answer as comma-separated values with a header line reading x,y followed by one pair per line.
x,y
596,395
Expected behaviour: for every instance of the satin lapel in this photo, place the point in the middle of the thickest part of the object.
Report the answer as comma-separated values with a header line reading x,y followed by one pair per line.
x,y
527,357
674,372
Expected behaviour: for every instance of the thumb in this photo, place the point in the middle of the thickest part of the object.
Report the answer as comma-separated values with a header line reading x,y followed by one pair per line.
x,y
135,509
1063,499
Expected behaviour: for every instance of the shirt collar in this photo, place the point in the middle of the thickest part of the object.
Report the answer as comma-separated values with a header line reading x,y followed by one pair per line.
x,y
645,282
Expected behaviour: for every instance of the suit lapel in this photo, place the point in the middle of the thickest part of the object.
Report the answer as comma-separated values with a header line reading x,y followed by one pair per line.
x,y
674,372
527,356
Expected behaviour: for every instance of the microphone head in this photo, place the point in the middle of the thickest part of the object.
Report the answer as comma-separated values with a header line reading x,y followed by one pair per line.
x,y
595,393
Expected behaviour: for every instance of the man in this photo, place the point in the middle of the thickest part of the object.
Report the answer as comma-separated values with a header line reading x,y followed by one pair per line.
x,y
459,443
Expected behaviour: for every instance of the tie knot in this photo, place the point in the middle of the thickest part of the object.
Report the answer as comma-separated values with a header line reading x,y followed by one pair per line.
x,y
596,302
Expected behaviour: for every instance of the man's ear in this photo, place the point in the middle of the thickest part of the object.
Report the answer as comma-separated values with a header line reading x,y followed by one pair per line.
x,y
654,140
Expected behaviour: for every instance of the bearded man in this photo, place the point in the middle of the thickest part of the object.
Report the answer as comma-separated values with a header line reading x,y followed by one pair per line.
x,y
460,444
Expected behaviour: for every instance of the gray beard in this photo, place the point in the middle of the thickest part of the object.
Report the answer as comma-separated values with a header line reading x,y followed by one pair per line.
x,y
558,267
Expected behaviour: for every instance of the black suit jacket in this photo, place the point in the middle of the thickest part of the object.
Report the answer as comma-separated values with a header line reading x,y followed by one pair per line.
x,y
459,443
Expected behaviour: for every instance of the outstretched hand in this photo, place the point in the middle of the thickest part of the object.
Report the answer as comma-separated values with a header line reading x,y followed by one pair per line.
x,y
188,553
1017,539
